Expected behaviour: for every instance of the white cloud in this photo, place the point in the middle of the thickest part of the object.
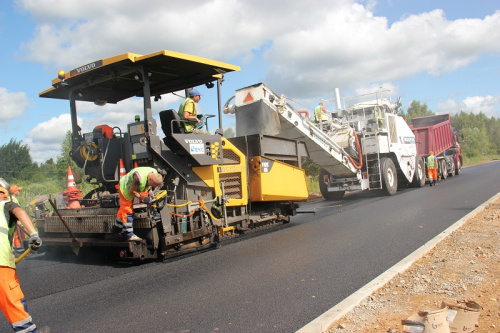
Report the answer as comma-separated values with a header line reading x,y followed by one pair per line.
x,y
475,104
348,47
309,47
12,105
46,138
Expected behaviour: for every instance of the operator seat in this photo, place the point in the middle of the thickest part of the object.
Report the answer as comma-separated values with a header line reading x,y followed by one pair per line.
x,y
171,124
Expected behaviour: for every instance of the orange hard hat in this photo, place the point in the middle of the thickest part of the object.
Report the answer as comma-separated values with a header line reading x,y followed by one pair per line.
x,y
15,188
431,152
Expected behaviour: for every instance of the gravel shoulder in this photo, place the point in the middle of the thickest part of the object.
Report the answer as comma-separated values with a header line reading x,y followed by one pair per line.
x,y
464,266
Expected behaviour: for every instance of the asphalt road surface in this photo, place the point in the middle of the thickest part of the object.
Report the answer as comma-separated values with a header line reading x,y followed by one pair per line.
x,y
276,282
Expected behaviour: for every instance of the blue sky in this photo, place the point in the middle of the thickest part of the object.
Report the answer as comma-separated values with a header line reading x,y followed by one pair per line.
x,y
443,53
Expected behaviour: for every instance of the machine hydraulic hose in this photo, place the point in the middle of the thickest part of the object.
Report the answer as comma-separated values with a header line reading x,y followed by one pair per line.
x,y
358,146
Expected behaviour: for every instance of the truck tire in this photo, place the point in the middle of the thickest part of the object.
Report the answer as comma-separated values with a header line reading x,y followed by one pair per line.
x,y
419,176
444,169
451,172
389,176
323,187
458,167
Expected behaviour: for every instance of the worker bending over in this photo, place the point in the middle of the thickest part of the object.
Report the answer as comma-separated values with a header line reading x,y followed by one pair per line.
x,y
137,181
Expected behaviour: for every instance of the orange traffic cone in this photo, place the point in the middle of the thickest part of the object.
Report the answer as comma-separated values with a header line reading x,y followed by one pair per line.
x,y
123,172
72,194
16,241
135,164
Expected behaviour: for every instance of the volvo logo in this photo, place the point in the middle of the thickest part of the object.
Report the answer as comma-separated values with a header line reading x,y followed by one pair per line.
x,y
193,141
86,68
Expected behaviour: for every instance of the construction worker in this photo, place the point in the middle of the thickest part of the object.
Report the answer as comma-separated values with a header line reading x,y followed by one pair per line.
x,y
12,301
138,180
187,111
320,113
15,191
378,116
432,168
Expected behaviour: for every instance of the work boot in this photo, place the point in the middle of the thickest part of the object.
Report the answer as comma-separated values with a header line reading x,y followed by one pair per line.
x,y
44,329
134,238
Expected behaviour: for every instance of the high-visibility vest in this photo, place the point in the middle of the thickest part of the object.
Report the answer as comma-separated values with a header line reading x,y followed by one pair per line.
x,y
6,256
187,125
318,113
127,180
431,162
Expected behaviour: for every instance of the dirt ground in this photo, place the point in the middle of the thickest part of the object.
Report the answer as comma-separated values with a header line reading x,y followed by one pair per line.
x,y
465,266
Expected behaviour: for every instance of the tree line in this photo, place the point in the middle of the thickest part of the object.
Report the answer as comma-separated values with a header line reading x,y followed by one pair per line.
x,y
481,139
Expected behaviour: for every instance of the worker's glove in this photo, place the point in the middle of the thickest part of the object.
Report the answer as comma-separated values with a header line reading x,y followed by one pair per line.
x,y
35,241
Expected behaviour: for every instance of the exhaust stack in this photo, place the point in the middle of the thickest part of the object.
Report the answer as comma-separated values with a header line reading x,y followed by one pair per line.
x,y
340,112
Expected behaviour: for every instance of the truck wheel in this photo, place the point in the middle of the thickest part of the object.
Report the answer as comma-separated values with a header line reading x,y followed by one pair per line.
x,y
452,170
389,176
419,176
323,187
458,168
444,169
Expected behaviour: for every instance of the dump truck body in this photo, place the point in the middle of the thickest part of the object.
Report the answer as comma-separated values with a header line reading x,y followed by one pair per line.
x,y
434,133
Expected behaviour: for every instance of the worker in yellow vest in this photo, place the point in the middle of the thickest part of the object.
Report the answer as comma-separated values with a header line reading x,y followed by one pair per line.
x,y
188,111
320,113
12,301
137,181
432,168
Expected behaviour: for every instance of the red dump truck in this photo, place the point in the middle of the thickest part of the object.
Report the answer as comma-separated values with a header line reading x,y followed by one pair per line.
x,y
434,133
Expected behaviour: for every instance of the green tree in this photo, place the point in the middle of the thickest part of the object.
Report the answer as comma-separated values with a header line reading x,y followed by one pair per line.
x,y
229,132
416,110
311,168
482,134
65,160
476,142
16,161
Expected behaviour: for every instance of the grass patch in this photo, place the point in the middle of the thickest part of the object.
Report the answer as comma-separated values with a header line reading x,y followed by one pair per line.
x,y
480,159
313,185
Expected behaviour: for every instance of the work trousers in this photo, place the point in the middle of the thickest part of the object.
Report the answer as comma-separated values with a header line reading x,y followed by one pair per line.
x,y
124,223
13,303
432,174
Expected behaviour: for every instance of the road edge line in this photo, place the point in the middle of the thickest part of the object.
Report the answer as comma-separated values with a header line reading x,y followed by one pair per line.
x,y
322,323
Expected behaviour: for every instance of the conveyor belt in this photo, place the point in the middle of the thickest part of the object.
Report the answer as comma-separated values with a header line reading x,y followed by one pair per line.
x,y
324,150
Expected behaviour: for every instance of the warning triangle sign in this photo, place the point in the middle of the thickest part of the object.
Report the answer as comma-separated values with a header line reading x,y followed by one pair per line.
x,y
249,98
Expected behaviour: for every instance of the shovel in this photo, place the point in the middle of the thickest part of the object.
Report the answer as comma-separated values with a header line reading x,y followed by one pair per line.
x,y
75,244
21,257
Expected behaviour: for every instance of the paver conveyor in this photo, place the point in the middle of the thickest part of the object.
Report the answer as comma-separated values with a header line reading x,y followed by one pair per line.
x,y
260,109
